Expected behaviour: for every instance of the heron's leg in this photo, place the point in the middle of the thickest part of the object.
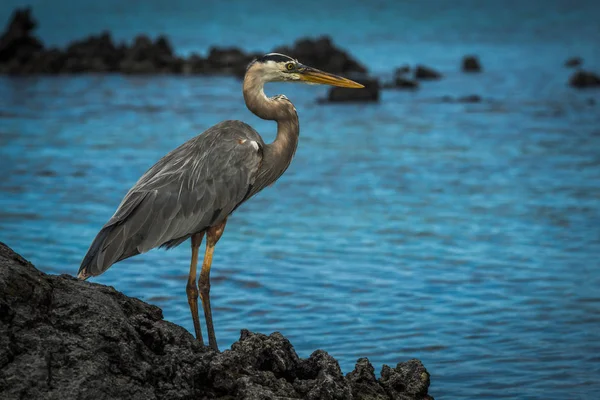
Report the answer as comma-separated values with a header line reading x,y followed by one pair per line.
x,y
212,237
192,289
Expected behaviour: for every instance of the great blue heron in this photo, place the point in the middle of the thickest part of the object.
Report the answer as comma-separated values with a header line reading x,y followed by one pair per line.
x,y
193,189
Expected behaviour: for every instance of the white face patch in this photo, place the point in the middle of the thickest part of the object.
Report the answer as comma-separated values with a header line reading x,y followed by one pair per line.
x,y
275,72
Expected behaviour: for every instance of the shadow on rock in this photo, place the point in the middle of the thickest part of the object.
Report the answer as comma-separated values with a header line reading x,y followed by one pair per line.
x,y
61,338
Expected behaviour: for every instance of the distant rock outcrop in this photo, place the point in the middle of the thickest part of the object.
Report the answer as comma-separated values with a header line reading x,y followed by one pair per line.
x,y
425,73
573,62
321,53
22,53
400,80
17,44
369,94
472,98
471,64
61,338
584,79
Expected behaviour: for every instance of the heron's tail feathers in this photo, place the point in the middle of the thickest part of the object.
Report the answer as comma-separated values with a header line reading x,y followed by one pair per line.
x,y
109,247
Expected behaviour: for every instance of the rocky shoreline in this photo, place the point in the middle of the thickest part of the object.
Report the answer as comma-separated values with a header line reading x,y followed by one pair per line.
x,y
22,53
61,338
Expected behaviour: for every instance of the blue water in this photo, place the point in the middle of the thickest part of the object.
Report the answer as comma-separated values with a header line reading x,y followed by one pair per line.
x,y
466,235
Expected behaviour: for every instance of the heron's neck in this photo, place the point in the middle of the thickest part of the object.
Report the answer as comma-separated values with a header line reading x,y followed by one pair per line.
x,y
278,155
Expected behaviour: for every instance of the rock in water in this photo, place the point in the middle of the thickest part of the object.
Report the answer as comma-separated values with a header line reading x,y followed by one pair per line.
x,y
321,53
471,64
368,94
17,43
423,72
404,83
61,338
574,62
584,79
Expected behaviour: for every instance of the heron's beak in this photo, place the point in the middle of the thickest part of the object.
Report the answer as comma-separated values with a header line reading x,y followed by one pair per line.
x,y
313,75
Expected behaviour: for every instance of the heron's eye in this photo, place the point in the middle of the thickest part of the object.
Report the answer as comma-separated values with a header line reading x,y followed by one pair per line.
x,y
290,66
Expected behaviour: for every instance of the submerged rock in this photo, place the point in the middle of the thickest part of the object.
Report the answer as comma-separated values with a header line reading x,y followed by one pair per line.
x,y
400,80
471,64
584,79
61,338
472,98
368,94
404,83
423,72
573,62
402,70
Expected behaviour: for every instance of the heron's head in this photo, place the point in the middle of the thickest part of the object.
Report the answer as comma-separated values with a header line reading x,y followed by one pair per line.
x,y
275,67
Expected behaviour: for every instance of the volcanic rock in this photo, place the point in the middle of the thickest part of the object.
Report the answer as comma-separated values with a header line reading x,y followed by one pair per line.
x,y
472,98
573,62
370,93
228,61
321,53
22,53
426,73
61,338
584,79
93,54
402,70
148,57
471,64
17,45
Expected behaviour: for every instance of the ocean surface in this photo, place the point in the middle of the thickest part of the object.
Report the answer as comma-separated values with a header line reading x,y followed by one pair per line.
x,y
465,235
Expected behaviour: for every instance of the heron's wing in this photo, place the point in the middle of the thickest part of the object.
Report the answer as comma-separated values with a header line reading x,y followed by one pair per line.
x,y
191,188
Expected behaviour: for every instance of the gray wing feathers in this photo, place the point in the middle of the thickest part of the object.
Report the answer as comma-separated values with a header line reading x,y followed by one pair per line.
x,y
194,186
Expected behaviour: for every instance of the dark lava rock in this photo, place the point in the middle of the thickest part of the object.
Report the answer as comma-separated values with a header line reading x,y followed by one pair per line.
x,y
409,380
584,79
370,93
147,57
194,64
16,43
472,98
422,72
471,64
403,83
229,61
93,54
61,338
573,62
22,53
321,53
403,70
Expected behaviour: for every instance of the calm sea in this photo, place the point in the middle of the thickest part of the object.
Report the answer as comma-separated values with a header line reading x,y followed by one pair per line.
x,y
466,235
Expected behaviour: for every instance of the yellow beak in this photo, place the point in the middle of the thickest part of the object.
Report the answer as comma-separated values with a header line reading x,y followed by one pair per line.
x,y
313,75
